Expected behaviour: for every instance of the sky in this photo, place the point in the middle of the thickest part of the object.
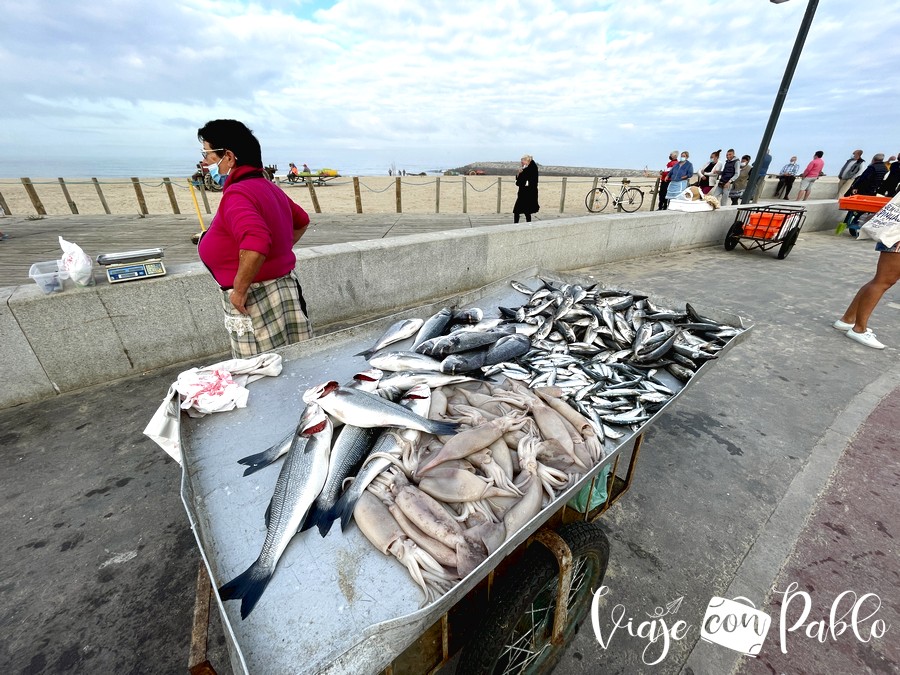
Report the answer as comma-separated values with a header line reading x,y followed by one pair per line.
x,y
121,86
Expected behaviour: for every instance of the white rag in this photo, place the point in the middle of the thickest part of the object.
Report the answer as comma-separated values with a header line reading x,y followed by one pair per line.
x,y
201,391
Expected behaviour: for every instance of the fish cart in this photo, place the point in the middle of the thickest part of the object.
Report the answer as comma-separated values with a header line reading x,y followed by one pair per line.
x,y
765,228
336,605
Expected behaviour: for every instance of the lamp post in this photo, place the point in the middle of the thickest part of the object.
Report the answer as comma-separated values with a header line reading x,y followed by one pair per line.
x,y
750,195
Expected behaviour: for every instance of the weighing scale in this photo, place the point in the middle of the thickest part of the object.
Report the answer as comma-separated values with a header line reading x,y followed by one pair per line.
x,y
131,265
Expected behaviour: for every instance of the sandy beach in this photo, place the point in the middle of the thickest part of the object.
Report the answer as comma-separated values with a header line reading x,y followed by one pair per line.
x,y
377,193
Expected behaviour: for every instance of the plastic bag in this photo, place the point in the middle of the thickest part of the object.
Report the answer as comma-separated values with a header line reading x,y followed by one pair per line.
x,y
587,499
77,263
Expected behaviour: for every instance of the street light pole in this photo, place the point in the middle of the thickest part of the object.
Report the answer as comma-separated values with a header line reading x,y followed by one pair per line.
x,y
750,194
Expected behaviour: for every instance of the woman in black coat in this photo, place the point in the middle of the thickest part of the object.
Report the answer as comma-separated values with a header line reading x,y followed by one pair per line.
x,y
527,180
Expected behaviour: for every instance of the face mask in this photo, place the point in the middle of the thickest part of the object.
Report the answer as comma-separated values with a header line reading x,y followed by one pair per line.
x,y
218,178
684,159
743,163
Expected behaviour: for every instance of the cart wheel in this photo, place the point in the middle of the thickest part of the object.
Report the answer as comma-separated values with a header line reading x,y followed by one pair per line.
x,y
514,636
734,233
788,244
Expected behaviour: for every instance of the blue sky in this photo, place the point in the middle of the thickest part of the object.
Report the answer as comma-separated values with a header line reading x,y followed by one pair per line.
x,y
615,84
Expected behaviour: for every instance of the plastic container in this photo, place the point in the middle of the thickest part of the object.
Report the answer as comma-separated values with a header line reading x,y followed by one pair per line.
x,y
864,203
764,225
48,276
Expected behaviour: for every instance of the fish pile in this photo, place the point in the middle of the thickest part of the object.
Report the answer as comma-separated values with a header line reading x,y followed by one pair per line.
x,y
458,441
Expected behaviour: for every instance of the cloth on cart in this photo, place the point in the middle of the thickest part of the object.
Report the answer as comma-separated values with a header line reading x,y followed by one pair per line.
x,y
201,391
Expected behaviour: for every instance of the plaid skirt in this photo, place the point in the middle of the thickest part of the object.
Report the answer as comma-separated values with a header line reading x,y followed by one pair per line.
x,y
277,317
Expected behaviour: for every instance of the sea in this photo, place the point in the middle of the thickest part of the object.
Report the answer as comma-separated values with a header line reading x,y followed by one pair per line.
x,y
183,165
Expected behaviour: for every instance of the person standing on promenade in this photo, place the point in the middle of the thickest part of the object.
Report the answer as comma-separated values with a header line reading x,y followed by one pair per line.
x,y
761,176
527,199
727,174
664,181
679,175
786,179
869,182
707,175
855,321
891,180
849,172
248,247
740,183
812,171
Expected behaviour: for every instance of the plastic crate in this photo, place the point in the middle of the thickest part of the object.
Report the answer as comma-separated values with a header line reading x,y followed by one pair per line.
x,y
864,203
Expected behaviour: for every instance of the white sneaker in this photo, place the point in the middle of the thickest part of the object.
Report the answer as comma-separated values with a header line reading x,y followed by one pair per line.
x,y
842,325
868,338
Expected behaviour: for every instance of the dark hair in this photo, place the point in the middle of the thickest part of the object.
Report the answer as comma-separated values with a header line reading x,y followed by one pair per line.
x,y
819,153
731,150
235,136
747,157
716,152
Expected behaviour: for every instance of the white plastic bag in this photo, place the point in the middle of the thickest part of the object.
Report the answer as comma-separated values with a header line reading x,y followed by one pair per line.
x,y
77,263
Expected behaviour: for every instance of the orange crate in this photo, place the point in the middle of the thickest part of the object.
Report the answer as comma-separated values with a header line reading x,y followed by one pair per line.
x,y
864,203
764,225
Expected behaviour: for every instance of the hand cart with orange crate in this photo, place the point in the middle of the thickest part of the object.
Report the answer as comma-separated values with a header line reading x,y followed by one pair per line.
x,y
766,227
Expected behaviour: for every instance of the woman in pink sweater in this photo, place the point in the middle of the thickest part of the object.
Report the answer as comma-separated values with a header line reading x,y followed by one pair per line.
x,y
248,248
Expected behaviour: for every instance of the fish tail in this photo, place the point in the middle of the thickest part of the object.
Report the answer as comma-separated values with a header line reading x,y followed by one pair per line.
x,y
326,520
344,508
255,462
442,428
311,516
248,587
366,353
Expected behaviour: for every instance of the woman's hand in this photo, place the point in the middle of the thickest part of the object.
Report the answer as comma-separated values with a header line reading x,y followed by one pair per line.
x,y
238,300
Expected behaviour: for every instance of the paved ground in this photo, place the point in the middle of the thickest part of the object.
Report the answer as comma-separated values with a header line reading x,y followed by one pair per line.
x,y
780,466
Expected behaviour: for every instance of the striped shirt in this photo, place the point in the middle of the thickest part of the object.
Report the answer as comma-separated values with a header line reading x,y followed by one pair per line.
x,y
790,169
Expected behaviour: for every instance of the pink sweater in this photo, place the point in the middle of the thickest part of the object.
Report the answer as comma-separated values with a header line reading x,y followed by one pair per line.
x,y
256,215
814,168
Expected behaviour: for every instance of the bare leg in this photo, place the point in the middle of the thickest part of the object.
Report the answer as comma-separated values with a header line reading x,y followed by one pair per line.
x,y
886,275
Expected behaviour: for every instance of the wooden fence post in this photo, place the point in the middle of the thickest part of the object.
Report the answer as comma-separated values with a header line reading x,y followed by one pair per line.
x,y
100,194
140,195
312,195
562,196
171,196
65,191
4,206
204,197
465,182
33,195
499,179
399,206
356,194
437,194
593,187
654,193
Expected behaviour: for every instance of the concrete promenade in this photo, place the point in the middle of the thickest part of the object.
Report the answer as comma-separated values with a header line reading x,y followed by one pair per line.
x,y
782,465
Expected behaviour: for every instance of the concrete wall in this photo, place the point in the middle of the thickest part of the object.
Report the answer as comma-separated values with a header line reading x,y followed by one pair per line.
x,y
62,342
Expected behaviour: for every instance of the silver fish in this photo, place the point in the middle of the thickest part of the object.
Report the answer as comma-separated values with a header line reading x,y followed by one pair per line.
x,y
399,331
301,479
391,442
363,409
407,379
433,327
394,361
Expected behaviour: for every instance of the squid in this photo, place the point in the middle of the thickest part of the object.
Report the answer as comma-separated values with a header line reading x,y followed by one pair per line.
x,y
472,440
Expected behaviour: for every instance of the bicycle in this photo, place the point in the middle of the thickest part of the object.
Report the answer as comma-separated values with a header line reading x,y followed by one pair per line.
x,y
628,199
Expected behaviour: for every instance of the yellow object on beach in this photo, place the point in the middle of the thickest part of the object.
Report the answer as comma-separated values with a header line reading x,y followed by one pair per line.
x,y
328,172
196,205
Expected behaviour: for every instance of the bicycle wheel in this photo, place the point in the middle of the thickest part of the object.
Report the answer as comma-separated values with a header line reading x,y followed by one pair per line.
x,y
514,635
632,199
596,199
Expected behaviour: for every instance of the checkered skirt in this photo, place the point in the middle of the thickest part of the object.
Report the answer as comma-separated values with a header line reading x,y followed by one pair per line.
x,y
277,317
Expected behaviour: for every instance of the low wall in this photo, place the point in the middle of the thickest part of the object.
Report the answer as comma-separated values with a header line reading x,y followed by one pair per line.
x,y
65,341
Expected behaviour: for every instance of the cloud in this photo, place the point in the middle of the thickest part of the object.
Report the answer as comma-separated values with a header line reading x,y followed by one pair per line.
x,y
581,82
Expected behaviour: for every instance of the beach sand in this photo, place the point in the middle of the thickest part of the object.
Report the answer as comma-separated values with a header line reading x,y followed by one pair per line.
x,y
378,195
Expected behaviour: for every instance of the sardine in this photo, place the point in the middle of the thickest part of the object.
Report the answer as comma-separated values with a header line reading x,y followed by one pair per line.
x,y
301,479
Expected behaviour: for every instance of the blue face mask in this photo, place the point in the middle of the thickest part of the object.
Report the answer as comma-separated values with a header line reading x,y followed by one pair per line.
x,y
218,178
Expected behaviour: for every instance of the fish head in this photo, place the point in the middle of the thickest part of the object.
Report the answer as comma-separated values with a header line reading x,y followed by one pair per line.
x,y
418,392
367,380
313,394
314,421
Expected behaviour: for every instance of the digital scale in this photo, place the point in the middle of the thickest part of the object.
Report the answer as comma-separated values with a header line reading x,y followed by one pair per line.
x,y
131,265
